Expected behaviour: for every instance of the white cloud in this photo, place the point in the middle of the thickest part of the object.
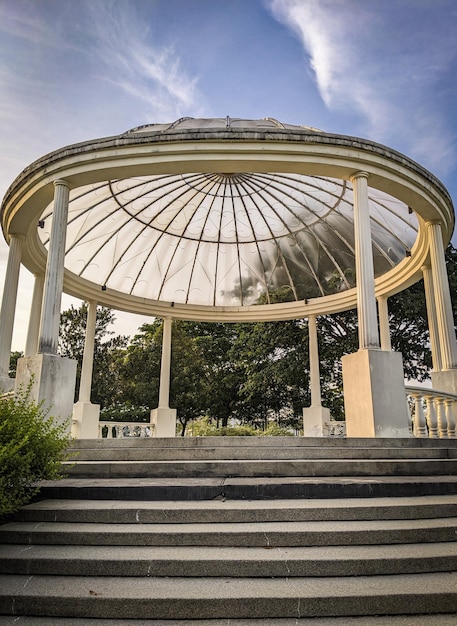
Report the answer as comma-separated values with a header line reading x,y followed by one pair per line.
x,y
382,62
148,70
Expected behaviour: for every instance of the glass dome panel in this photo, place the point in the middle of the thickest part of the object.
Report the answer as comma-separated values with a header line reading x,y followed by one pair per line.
x,y
226,239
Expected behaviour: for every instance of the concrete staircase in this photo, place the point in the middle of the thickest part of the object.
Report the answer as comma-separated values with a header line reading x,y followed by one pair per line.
x,y
239,531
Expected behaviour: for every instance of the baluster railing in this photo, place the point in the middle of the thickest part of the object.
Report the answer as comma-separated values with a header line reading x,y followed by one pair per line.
x,y
419,422
450,408
114,430
433,412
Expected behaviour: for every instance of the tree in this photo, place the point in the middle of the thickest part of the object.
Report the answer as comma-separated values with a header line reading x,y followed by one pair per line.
x,y
106,351
14,357
273,357
140,371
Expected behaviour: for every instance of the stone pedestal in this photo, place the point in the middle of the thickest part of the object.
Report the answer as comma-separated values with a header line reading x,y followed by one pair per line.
x,y
164,422
314,418
374,395
445,381
52,380
85,420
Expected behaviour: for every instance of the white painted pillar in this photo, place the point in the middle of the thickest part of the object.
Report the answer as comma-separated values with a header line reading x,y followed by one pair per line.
x,y
49,377
31,346
85,414
431,316
443,304
85,384
53,283
163,419
373,379
314,371
165,366
383,312
8,308
315,416
366,299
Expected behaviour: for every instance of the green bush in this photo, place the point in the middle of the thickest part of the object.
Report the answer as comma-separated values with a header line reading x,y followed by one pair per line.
x,y
202,428
274,430
32,447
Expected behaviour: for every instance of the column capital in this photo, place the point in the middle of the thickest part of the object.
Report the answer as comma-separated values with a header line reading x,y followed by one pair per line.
x,y
360,174
62,182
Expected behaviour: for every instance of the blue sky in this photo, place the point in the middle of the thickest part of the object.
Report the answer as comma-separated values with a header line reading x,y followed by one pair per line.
x,y
72,70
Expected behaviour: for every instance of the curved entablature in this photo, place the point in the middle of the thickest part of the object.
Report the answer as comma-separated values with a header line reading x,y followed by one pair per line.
x,y
220,219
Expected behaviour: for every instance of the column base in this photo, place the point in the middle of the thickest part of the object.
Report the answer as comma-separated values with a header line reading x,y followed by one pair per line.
x,y
6,384
445,381
52,380
374,395
85,420
164,421
314,418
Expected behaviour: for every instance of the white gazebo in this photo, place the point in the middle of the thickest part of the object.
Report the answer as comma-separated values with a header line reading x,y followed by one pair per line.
x,y
206,219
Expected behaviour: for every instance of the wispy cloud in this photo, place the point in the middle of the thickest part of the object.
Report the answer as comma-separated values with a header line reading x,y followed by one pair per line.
x,y
379,62
142,67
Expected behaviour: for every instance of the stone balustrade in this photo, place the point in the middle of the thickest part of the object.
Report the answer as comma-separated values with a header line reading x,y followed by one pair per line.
x,y
113,430
433,413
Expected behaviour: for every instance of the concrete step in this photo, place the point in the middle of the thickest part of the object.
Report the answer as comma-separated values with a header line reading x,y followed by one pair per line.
x,y
374,620
239,531
271,443
230,562
230,511
228,598
254,452
242,488
262,468
264,534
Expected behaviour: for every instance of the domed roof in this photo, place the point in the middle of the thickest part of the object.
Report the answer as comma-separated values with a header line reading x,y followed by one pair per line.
x,y
218,123
225,218
225,238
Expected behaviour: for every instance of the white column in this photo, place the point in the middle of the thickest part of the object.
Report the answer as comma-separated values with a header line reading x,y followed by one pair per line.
x,y
383,311
366,299
315,417
314,373
85,384
163,419
164,387
9,298
443,304
431,316
373,379
31,346
53,283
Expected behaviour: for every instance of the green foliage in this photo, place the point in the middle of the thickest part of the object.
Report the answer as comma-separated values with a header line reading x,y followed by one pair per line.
x,y
14,357
125,412
273,430
32,447
204,428
107,352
